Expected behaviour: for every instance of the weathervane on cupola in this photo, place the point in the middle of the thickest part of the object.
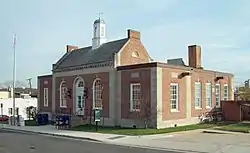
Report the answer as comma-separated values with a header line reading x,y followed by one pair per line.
x,y
99,34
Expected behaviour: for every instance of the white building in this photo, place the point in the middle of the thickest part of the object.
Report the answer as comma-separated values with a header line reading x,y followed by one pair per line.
x,y
20,103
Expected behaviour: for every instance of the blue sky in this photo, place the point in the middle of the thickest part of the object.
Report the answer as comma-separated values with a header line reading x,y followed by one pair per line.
x,y
167,27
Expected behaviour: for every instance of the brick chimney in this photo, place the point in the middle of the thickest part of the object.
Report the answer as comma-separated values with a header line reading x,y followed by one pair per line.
x,y
134,34
194,56
70,48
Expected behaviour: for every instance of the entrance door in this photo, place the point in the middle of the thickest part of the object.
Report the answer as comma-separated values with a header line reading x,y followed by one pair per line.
x,y
79,98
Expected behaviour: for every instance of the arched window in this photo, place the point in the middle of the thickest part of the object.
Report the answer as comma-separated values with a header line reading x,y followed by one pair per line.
x,y
63,94
80,83
79,100
97,94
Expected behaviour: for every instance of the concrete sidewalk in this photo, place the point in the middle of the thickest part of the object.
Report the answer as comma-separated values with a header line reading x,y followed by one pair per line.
x,y
188,141
51,130
132,141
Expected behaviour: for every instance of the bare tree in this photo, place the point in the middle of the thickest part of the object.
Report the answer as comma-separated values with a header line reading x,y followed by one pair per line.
x,y
31,112
146,110
243,93
142,114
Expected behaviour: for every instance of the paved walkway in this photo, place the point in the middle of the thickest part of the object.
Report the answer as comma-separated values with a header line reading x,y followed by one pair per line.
x,y
51,130
192,141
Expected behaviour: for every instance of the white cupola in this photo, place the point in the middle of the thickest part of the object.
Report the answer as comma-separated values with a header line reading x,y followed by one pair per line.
x,y
99,33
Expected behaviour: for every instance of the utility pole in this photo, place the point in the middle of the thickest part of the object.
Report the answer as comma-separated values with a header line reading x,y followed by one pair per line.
x,y
30,85
14,79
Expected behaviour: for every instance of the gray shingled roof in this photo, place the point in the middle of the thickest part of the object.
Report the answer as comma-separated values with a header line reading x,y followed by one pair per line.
x,y
86,55
176,61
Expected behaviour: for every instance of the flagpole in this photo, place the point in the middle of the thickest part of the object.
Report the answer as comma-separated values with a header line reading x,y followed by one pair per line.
x,y
14,79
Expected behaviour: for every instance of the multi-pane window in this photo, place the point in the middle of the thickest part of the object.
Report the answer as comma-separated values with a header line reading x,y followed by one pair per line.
x,y
97,94
63,94
80,97
135,96
45,97
208,95
217,94
225,92
198,101
174,96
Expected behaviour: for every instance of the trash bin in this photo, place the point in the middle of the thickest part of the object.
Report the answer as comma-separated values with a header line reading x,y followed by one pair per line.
x,y
45,119
39,119
66,120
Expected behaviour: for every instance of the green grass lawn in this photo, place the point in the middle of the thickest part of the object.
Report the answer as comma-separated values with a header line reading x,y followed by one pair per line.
x,y
132,131
240,127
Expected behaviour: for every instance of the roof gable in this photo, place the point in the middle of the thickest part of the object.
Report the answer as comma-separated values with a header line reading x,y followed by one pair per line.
x,y
86,55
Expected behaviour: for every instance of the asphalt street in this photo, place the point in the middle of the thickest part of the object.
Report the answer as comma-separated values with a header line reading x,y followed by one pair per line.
x,y
12,142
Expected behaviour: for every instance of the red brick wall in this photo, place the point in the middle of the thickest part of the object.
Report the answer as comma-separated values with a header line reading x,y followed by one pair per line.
x,y
126,79
196,75
166,107
205,77
44,82
231,111
134,45
88,80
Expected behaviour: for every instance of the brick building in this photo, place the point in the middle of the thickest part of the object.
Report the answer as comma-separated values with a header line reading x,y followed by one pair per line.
x,y
120,78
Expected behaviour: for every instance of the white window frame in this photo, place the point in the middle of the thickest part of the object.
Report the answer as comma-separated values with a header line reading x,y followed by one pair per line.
x,y
225,93
198,95
46,97
97,94
208,95
174,97
133,104
63,93
217,95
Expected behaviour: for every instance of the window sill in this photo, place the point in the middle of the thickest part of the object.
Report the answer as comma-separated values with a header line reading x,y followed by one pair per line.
x,y
217,106
45,106
198,108
99,108
208,107
63,106
135,110
174,111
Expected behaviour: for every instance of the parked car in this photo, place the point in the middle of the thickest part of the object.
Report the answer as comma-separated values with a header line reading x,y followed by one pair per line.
x,y
4,118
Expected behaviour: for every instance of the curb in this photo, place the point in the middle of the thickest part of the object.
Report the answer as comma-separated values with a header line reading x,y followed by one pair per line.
x,y
50,134
156,148
215,132
225,132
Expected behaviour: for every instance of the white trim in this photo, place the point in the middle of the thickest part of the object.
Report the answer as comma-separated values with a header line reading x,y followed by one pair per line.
x,y
45,97
217,85
199,106
62,106
177,97
131,97
227,96
210,95
83,71
77,80
93,92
